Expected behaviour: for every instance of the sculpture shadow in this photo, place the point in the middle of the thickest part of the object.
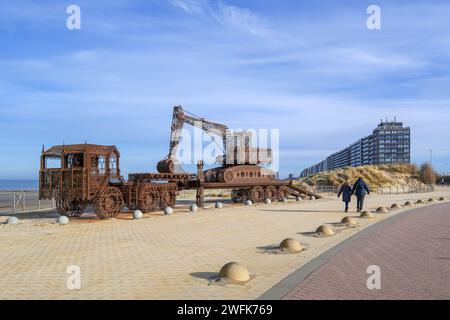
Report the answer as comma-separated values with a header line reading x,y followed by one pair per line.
x,y
205,275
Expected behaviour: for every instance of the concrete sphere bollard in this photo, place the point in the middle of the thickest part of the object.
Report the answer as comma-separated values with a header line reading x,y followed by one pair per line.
x,y
235,272
312,198
193,208
349,221
408,204
366,215
12,220
291,245
63,220
441,199
137,214
298,199
382,210
268,201
219,205
420,201
168,210
325,230
396,206
248,202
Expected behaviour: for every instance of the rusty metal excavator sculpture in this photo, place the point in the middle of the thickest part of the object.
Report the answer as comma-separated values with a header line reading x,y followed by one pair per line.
x,y
240,165
85,174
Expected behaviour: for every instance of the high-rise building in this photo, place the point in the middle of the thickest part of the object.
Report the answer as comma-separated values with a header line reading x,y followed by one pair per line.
x,y
389,143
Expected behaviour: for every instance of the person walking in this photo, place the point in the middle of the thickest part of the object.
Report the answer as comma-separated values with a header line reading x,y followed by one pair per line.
x,y
360,189
346,191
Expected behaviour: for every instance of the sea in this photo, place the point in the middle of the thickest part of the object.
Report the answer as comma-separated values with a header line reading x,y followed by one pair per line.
x,y
19,184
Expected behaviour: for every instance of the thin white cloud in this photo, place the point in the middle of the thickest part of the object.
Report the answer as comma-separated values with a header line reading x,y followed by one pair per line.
x,y
240,18
226,15
189,6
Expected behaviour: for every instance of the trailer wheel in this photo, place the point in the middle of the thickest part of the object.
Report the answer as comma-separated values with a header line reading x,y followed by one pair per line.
x,y
148,200
271,193
167,199
109,203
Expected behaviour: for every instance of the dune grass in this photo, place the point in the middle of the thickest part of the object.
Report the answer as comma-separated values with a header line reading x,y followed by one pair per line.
x,y
376,176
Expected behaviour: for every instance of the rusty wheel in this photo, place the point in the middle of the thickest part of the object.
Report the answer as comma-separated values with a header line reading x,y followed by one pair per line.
x,y
62,201
256,194
109,203
167,199
77,208
271,193
67,204
148,200
283,192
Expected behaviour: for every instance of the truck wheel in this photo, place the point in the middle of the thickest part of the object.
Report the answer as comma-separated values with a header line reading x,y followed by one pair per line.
x,y
109,203
67,205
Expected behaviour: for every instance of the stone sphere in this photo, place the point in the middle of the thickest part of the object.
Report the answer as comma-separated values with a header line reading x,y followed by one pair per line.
x,y
268,201
408,204
12,220
291,245
382,210
63,220
137,214
248,202
396,206
420,201
235,272
325,230
168,210
349,221
298,199
219,205
366,215
193,208
312,198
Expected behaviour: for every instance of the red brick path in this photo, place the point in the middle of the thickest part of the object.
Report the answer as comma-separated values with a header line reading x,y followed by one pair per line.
x,y
413,253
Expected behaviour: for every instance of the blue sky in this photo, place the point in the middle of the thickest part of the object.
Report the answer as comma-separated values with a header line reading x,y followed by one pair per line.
x,y
309,68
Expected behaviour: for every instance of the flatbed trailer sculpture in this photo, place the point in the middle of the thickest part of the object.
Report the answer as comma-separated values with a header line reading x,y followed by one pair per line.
x,y
85,174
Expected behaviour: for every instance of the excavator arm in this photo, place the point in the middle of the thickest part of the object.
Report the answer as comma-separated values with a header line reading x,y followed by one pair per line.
x,y
179,118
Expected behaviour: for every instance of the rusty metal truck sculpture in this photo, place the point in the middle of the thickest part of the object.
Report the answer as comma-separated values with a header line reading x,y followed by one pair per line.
x,y
85,174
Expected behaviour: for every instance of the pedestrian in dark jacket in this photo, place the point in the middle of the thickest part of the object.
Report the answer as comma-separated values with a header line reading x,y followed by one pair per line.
x,y
360,189
346,191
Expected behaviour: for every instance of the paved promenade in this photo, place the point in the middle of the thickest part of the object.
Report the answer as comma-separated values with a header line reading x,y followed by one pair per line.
x,y
412,251
174,257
